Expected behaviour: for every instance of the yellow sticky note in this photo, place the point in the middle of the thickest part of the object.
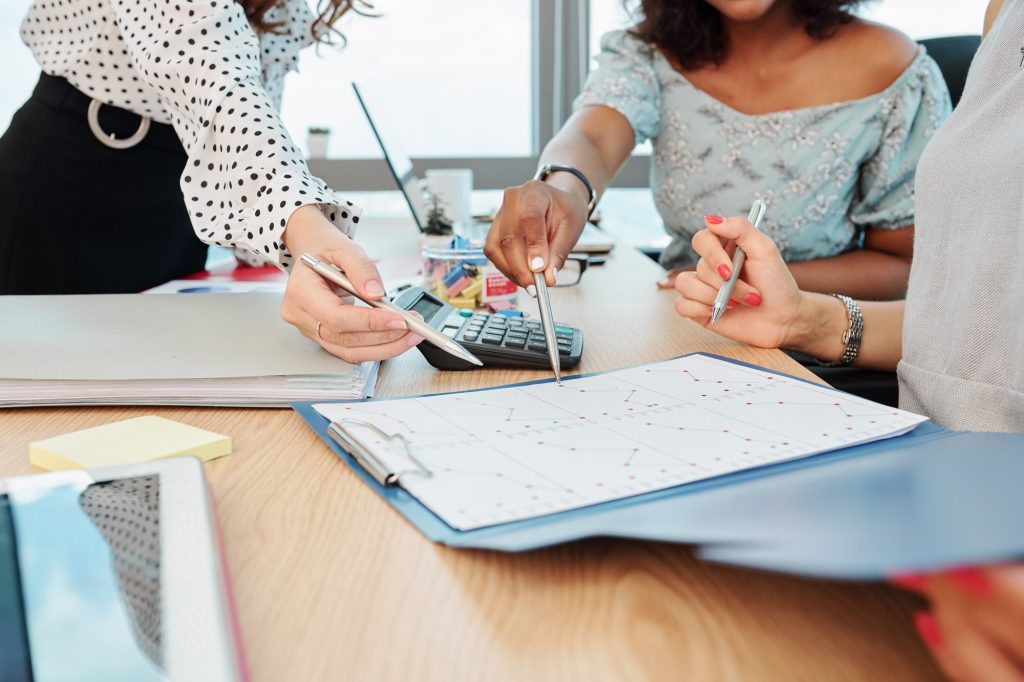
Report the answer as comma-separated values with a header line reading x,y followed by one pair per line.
x,y
134,440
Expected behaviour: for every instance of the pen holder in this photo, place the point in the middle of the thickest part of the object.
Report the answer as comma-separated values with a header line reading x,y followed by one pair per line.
x,y
459,274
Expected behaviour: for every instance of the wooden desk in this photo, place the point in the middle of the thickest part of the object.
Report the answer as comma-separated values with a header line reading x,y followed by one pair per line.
x,y
331,584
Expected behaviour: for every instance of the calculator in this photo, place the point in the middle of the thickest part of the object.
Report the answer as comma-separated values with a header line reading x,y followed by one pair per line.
x,y
496,340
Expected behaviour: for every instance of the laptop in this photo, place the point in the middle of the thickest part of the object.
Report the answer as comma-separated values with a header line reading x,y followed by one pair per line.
x,y
593,240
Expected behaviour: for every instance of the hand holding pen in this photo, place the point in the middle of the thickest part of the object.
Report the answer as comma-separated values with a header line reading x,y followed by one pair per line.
x,y
738,257
765,302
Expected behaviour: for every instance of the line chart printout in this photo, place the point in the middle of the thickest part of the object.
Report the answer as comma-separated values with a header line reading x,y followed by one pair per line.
x,y
505,454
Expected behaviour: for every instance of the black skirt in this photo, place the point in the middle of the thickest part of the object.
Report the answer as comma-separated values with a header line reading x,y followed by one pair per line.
x,y
77,216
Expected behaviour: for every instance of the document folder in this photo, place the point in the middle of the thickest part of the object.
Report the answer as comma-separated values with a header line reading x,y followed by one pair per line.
x,y
693,513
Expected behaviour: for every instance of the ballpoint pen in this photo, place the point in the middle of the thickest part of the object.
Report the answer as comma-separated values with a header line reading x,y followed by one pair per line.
x,y
738,257
547,321
332,272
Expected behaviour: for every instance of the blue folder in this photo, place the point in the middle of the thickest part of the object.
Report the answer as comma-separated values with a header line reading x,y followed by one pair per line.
x,y
958,501
689,513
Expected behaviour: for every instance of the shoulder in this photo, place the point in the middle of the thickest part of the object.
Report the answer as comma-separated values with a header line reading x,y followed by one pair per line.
x,y
624,42
882,53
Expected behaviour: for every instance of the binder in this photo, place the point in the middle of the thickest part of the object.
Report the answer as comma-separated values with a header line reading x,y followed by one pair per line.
x,y
683,514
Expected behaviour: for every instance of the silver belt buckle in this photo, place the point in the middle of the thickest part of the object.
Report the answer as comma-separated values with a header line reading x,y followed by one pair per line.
x,y
110,139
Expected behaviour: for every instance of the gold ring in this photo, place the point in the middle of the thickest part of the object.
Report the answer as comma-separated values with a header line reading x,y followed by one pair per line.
x,y
318,332
110,139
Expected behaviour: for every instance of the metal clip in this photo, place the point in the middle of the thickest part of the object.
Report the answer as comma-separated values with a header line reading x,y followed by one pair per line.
x,y
367,459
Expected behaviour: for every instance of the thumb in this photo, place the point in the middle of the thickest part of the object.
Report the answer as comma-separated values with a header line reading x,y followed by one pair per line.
x,y
359,269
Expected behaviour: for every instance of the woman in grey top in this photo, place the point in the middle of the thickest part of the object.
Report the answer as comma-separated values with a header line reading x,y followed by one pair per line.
x,y
957,340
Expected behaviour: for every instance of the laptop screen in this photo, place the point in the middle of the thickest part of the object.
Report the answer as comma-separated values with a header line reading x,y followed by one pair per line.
x,y
80,583
400,166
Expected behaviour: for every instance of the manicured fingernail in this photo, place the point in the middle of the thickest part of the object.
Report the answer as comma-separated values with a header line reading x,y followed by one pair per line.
x,y
532,291
414,340
731,304
752,299
929,629
970,580
724,271
374,288
537,263
554,272
911,582
395,324
713,219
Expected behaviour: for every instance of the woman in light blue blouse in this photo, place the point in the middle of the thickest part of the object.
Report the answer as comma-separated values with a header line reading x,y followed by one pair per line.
x,y
798,103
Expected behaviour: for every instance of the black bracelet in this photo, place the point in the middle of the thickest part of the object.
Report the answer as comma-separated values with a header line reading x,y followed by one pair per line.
x,y
550,168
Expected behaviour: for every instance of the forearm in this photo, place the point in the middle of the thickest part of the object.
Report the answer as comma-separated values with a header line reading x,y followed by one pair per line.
x,y
823,320
862,274
596,141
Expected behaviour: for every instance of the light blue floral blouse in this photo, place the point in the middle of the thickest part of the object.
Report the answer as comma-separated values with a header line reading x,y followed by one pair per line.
x,y
826,172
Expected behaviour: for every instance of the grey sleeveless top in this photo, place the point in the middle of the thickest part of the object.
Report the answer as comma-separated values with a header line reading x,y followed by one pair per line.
x,y
963,334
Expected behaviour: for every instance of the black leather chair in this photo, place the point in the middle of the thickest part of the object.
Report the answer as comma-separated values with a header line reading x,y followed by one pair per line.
x,y
953,54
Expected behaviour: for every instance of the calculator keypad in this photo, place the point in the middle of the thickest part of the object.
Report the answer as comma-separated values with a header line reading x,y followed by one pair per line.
x,y
513,333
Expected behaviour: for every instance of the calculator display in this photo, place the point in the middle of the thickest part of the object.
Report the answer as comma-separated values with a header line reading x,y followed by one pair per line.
x,y
426,307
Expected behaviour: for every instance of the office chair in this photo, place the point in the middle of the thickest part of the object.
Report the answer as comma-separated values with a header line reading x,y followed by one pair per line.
x,y
953,54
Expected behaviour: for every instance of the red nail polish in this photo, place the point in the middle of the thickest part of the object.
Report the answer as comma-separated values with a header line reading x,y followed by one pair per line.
x,y
713,219
929,629
971,580
732,304
910,582
752,299
724,271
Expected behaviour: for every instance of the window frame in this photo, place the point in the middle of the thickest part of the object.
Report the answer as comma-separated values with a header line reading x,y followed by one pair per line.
x,y
560,61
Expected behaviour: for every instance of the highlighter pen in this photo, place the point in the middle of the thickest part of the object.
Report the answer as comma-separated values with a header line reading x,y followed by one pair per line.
x,y
738,257
333,273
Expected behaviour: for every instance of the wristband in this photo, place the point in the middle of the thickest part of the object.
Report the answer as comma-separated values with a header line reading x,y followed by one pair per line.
x,y
851,337
549,168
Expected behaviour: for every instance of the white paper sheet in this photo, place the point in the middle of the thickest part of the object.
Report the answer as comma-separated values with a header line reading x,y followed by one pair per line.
x,y
512,453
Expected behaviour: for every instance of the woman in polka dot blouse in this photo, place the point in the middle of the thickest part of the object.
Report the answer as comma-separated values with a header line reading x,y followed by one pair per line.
x,y
155,121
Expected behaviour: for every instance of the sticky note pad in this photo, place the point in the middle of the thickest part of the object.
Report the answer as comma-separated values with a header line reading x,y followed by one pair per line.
x,y
125,442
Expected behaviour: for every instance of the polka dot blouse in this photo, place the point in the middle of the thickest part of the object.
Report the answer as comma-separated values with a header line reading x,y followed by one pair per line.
x,y
199,65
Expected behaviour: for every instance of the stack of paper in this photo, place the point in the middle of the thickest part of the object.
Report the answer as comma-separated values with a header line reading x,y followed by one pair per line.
x,y
216,349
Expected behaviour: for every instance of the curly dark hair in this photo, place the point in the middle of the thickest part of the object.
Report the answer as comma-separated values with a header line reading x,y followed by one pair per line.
x,y
327,12
691,30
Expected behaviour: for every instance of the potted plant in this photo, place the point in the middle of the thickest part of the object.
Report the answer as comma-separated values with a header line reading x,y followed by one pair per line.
x,y
316,141
438,222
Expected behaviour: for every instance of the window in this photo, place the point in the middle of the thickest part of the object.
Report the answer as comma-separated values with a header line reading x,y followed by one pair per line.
x,y
917,18
460,83
929,18
449,79
20,71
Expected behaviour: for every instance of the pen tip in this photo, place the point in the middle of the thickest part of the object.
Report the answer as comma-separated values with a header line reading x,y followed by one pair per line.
x,y
716,314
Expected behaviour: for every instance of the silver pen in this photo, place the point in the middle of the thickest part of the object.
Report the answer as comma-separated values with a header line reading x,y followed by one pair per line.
x,y
738,257
332,272
547,321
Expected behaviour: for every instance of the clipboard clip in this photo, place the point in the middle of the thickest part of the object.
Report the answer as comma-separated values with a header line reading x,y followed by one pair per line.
x,y
381,472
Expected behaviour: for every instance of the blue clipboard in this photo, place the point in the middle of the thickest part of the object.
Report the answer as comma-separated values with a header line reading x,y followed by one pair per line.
x,y
678,514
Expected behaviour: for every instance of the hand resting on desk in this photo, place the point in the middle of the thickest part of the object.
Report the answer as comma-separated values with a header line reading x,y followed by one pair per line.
x,y
354,334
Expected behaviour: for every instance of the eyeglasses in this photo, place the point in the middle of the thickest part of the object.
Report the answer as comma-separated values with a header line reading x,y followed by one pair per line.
x,y
572,270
